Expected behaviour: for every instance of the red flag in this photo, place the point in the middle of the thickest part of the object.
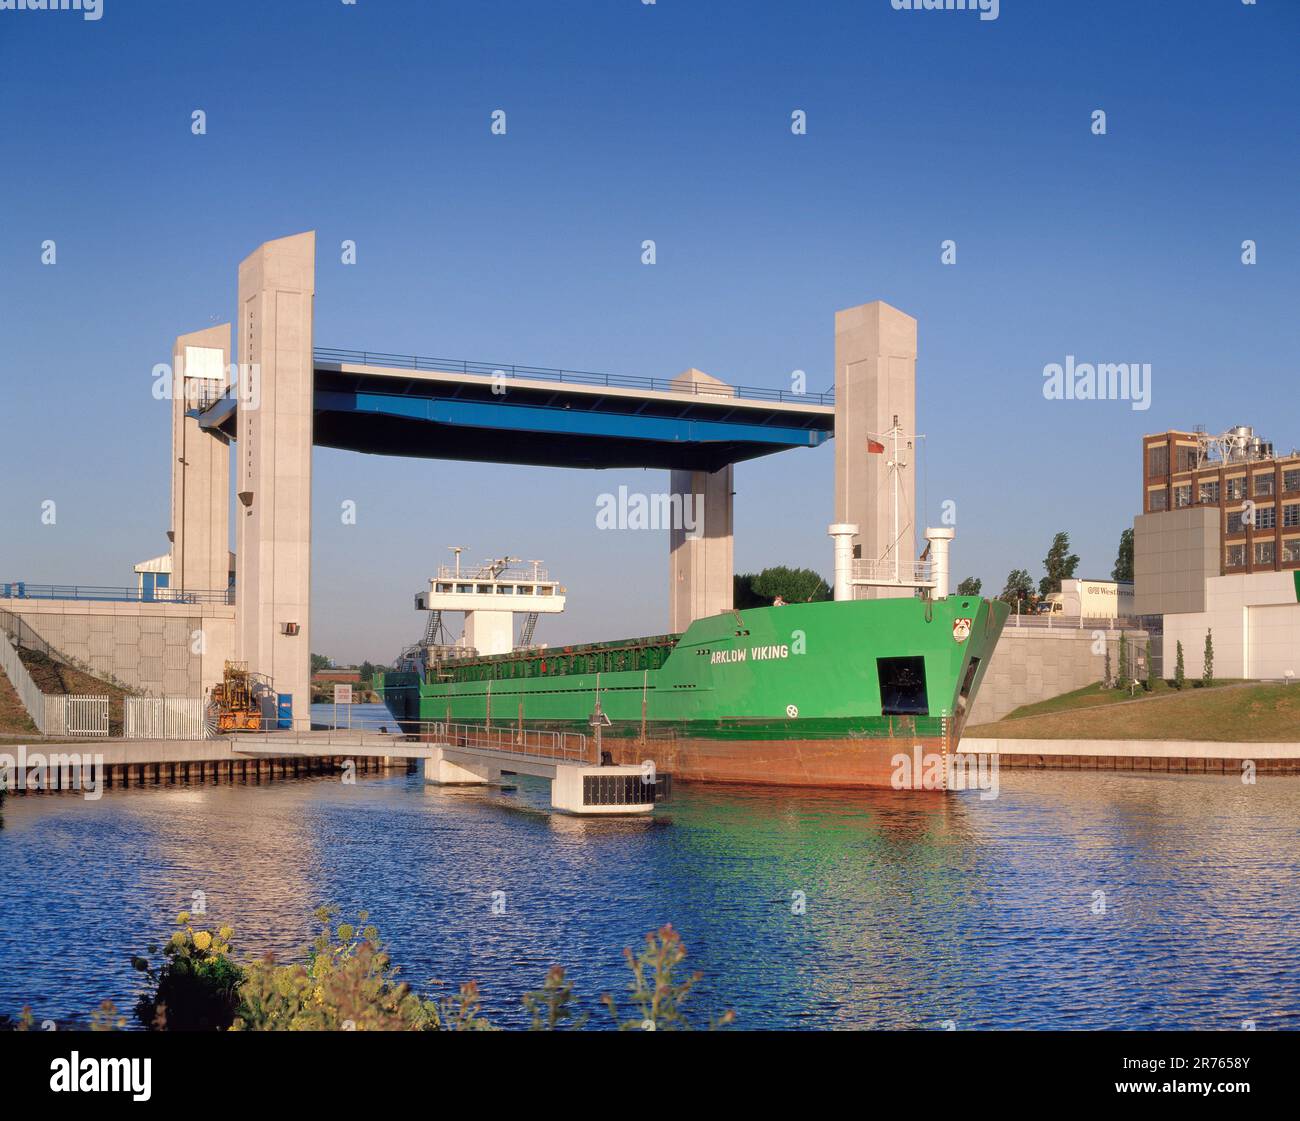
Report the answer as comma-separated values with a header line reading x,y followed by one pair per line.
x,y
875,448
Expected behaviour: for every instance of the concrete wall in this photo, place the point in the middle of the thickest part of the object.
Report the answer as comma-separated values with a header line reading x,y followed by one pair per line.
x,y
164,649
1174,553
1256,624
1037,663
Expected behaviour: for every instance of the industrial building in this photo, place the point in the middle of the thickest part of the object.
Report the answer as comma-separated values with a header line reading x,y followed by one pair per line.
x,y
1217,549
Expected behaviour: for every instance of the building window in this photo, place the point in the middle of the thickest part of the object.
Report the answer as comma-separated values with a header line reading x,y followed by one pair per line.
x,y
1263,552
1210,492
1157,461
1237,488
1291,514
1291,481
1159,499
1182,496
1235,524
1266,517
1263,485
1291,550
1185,458
1235,556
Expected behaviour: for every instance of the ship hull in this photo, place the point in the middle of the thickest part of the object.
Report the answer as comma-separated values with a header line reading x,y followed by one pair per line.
x,y
847,763
840,694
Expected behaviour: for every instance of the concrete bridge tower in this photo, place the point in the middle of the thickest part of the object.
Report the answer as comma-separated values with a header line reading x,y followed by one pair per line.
x,y
200,513
277,284
875,382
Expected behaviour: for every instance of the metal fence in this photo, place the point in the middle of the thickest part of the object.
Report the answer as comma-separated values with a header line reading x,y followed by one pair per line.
x,y
579,377
166,718
567,746
24,685
20,589
1074,622
76,716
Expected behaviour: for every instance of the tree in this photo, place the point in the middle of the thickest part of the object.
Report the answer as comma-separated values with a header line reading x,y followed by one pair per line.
x,y
368,671
320,662
1060,564
794,585
970,586
1151,669
1123,569
1105,680
1019,589
1180,676
1207,674
742,591
1122,675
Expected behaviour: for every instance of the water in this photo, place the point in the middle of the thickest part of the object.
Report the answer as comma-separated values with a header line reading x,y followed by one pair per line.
x,y
369,718
919,909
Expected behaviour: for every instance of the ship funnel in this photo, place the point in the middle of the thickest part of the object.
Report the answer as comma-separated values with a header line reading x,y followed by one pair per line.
x,y
939,539
843,534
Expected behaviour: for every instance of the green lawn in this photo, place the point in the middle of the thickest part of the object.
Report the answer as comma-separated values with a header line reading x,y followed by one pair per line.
x,y
1226,711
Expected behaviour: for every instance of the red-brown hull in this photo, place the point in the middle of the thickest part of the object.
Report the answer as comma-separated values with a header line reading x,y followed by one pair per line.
x,y
851,763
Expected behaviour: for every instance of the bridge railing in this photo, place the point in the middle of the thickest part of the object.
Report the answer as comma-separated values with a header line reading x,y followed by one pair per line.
x,y
568,747
578,377
20,589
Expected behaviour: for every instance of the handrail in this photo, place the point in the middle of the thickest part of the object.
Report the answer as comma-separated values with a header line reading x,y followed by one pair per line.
x,y
578,377
507,738
20,589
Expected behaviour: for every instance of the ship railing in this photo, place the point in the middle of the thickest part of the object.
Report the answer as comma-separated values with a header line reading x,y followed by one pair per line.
x,y
568,747
890,572
485,574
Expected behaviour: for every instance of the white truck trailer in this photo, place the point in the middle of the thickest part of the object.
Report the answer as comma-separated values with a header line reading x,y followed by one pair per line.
x,y
1091,599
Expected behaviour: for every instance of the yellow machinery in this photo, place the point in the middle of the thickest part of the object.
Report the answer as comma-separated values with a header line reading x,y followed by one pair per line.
x,y
233,704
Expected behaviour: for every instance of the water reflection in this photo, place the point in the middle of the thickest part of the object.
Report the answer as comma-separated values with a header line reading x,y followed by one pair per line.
x,y
1073,900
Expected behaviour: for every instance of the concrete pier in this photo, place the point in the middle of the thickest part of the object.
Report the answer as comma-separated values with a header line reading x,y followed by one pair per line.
x,y
576,788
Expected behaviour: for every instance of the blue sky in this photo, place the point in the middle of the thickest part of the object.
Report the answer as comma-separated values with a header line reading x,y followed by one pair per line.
x,y
629,121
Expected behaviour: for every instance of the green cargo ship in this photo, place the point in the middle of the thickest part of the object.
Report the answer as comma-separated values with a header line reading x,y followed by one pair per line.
x,y
806,694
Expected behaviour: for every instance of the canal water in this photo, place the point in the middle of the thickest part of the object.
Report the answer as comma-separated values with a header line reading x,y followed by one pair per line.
x,y
1072,900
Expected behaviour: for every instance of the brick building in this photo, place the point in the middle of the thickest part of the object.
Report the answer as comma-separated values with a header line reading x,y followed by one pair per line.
x,y
1217,548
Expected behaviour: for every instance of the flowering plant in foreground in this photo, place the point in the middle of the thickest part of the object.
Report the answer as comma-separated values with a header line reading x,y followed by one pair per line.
x,y
348,983
196,986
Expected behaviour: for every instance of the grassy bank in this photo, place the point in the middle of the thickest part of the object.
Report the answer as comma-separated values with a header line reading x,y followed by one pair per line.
x,y
14,720
1225,712
56,678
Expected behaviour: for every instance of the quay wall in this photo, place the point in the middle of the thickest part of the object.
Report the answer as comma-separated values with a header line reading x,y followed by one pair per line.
x,y
1160,756
147,762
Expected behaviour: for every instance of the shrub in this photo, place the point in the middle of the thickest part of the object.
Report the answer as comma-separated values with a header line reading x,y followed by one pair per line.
x,y
195,987
657,995
347,984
